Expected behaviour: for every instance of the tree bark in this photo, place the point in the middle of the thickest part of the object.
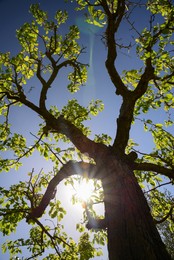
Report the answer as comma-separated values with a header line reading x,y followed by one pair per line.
x,y
132,233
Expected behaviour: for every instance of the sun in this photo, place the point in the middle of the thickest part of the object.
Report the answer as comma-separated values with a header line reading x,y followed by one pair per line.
x,y
84,189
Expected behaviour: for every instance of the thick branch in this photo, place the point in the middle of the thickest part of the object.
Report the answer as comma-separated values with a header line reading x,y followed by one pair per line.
x,y
23,100
144,81
94,223
82,142
38,73
113,24
124,124
126,111
155,168
69,169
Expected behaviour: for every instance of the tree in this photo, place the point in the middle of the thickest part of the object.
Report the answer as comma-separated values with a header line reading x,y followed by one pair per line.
x,y
121,169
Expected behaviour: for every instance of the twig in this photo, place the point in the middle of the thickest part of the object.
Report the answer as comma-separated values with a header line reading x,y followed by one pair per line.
x,y
160,185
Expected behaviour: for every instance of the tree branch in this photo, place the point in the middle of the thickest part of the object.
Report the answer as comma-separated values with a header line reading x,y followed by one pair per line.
x,y
113,21
65,127
144,80
49,235
149,70
161,185
94,223
165,217
82,142
38,73
155,168
24,101
69,169
124,122
47,84
126,111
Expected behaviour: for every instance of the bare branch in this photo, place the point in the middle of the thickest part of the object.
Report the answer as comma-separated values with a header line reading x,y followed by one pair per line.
x,y
161,185
49,148
49,235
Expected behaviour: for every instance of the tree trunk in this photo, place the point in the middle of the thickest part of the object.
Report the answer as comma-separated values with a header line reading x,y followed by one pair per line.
x,y
132,233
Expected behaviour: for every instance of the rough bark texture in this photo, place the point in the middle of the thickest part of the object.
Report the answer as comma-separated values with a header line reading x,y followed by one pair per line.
x,y
131,231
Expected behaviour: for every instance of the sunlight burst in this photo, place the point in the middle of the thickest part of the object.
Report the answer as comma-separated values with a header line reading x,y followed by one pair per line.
x,y
84,189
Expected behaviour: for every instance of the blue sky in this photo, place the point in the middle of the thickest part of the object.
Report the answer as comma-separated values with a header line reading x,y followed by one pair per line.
x,y
12,15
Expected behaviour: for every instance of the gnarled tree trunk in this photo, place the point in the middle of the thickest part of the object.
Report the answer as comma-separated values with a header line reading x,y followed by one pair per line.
x,y
132,233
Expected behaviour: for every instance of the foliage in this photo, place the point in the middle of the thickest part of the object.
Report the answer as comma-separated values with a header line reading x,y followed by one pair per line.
x,y
161,204
63,133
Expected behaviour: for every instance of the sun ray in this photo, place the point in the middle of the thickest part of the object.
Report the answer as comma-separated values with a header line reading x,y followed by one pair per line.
x,y
84,189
